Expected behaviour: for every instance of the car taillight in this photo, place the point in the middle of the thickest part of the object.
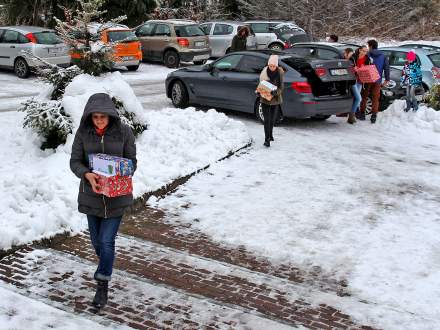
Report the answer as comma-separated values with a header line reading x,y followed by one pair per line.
x,y
286,45
320,72
435,72
31,38
183,42
302,87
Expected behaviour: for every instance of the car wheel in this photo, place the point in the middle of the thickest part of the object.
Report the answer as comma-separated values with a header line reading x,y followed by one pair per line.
x,y
171,59
320,117
276,47
199,62
133,67
179,95
21,68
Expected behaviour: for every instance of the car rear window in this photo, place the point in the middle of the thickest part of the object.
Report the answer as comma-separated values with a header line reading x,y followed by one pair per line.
x,y
188,31
47,38
435,59
123,35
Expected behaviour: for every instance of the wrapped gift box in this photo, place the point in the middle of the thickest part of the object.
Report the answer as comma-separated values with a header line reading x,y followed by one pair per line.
x,y
114,185
367,74
265,89
111,165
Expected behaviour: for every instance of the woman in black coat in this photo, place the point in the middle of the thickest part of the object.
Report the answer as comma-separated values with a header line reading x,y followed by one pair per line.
x,y
101,131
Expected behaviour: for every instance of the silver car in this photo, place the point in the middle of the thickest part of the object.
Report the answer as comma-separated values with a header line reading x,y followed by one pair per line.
x,y
38,41
221,33
266,37
428,59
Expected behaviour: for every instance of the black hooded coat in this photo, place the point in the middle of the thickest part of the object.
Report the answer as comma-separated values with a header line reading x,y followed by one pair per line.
x,y
118,140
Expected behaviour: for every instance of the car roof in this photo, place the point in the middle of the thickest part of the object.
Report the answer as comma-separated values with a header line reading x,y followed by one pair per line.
x,y
225,22
419,51
26,28
266,21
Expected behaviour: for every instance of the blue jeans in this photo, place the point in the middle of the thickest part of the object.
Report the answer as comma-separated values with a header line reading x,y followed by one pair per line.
x,y
411,101
356,91
103,234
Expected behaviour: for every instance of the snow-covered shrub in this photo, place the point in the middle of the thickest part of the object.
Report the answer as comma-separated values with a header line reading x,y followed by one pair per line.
x,y
58,77
129,118
432,98
79,33
48,119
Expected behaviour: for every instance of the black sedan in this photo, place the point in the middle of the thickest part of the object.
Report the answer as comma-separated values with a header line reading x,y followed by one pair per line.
x,y
312,88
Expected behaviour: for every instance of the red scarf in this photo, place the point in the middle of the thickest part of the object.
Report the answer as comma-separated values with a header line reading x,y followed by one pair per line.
x,y
100,131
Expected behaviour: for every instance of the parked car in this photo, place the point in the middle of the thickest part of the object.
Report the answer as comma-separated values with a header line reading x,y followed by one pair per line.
x,y
40,42
320,50
423,46
316,89
290,34
221,33
325,50
266,37
428,60
126,46
173,41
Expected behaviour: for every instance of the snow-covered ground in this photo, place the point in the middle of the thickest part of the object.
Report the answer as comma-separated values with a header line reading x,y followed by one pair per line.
x,y
359,201
20,312
38,191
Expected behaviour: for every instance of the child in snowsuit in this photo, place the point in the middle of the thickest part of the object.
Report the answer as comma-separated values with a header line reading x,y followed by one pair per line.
x,y
411,79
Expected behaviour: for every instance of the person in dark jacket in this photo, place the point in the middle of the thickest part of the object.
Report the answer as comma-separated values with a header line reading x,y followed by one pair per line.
x,y
381,62
274,74
240,39
101,131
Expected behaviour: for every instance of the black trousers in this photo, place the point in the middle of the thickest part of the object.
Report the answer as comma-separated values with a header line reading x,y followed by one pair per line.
x,y
269,114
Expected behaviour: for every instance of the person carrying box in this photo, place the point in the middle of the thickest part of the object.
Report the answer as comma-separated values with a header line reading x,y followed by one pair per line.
x,y
101,131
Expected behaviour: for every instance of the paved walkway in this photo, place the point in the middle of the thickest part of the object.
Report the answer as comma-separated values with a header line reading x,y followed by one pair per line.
x,y
166,280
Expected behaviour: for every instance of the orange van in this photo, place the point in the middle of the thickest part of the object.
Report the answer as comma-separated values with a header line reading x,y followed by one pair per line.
x,y
126,46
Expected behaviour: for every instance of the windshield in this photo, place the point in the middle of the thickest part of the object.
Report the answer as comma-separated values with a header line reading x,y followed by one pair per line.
x,y
188,31
47,38
435,59
123,35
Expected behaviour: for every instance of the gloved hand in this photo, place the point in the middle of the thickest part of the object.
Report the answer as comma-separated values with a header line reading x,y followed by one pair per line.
x,y
273,93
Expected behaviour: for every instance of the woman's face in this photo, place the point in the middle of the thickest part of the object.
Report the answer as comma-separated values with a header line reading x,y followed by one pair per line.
x,y
363,51
100,120
272,67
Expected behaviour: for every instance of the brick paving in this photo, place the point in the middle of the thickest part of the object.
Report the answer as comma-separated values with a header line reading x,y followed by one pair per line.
x,y
149,224
172,277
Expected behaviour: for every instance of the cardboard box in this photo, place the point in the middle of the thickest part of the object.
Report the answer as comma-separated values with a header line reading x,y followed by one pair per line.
x,y
265,89
367,74
111,165
114,185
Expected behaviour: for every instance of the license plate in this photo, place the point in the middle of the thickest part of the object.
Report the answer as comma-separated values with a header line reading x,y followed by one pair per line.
x,y
338,72
419,98
200,57
127,58
55,50
200,44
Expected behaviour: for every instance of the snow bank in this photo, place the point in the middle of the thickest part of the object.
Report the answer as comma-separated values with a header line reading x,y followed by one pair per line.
x,y
425,118
38,191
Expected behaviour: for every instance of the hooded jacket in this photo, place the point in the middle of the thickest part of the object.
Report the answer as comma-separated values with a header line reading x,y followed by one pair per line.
x,y
381,62
239,41
118,140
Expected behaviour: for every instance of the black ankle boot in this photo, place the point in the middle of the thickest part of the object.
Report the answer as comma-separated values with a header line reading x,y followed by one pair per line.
x,y
266,143
101,295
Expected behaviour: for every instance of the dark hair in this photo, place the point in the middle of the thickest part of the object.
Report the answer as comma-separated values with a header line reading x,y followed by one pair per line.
x,y
334,37
372,44
348,50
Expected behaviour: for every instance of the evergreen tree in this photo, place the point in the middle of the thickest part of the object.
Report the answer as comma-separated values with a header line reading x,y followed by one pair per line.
x,y
137,11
